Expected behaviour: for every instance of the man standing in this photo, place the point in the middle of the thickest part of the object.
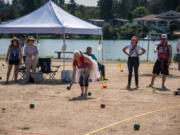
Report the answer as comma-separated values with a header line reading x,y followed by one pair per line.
x,y
100,66
163,62
178,51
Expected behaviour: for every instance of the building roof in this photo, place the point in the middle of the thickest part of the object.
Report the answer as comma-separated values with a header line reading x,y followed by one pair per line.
x,y
169,15
121,20
149,18
96,20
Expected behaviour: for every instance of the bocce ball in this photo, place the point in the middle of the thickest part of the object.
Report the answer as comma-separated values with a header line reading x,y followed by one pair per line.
x,y
68,87
32,106
176,93
89,93
103,105
136,126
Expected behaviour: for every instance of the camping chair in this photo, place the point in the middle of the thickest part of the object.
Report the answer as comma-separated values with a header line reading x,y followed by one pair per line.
x,y
22,72
45,67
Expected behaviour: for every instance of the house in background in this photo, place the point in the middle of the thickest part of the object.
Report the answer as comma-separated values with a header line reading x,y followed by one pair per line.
x,y
115,22
160,22
119,22
97,22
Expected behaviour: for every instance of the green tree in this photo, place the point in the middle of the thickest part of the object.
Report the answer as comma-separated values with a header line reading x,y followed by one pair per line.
x,y
28,6
140,12
106,11
16,8
178,8
72,6
4,11
109,32
174,26
61,2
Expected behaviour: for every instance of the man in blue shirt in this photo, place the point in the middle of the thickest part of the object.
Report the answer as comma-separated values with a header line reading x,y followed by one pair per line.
x,y
100,66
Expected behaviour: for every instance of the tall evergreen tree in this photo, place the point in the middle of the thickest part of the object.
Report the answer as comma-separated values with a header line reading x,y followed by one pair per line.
x,y
72,6
28,6
106,9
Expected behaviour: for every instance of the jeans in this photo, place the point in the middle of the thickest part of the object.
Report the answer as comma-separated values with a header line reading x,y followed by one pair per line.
x,y
133,62
102,70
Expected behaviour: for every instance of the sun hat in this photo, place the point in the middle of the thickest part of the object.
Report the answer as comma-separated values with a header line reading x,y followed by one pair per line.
x,y
30,38
15,39
164,36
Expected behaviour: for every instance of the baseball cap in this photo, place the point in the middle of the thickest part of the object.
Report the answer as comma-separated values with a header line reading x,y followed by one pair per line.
x,y
164,36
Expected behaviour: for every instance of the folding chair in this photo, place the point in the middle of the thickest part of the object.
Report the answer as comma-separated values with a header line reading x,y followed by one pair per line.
x,y
22,72
45,65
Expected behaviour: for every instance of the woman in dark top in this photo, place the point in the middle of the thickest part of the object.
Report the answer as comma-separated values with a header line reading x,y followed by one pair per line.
x,y
14,57
133,59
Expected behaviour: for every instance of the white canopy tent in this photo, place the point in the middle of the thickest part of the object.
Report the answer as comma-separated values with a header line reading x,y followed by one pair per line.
x,y
49,19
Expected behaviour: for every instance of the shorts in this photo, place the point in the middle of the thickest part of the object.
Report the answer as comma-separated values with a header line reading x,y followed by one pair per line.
x,y
82,80
14,62
161,67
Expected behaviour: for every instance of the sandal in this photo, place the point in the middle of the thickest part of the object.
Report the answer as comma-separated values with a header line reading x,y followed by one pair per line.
x,y
163,87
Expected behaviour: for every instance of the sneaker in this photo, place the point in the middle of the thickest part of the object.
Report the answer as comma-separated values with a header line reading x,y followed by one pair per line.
x,y
150,86
7,82
15,81
85,95
164,87
128,87
82,95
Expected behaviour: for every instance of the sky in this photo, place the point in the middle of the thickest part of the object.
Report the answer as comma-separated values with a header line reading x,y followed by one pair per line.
x,y
86,2
83,2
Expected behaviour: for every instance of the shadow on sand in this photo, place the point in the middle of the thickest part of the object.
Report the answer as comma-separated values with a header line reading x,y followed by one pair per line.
x,y
80,98
131,89
44,82
170,76
161,89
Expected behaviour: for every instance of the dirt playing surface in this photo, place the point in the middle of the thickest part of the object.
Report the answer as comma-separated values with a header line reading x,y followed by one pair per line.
x,y
60,112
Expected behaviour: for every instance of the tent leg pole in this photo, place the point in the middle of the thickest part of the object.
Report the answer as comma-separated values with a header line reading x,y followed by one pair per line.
x,y
148,51
102,48
37,37
64,42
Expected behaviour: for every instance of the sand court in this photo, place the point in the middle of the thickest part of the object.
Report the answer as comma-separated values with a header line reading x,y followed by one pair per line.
x,y
59,111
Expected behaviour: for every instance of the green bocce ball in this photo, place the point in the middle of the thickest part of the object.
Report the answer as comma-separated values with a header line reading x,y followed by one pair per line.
x,y
31,106
136,126
89,93
68,88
